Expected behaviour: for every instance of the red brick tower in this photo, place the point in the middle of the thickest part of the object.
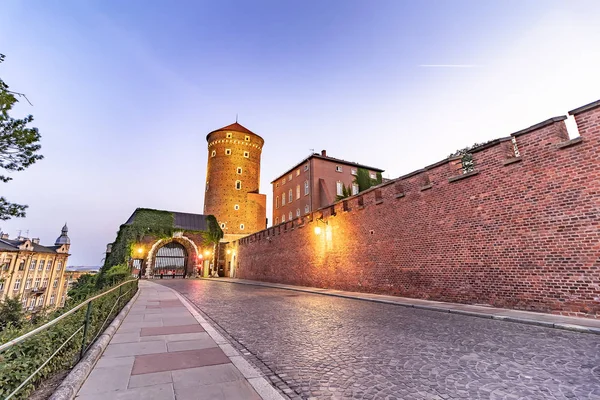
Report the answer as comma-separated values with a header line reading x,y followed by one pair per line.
x,y
233,180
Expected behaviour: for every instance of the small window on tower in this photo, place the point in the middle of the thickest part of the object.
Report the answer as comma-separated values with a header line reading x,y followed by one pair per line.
x,y
207,186
291,216
306,209
276,220
297,172
246,154
229,135
297,212
247,138
222,225
242,227
238,185
236,207
338,168
227,152
213,154
290,177
239,170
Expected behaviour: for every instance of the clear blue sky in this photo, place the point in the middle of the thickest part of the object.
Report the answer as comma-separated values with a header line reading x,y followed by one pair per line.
x,y
124,92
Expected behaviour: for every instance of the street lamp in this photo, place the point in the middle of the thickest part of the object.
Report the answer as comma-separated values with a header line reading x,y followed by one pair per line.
x,y
318,228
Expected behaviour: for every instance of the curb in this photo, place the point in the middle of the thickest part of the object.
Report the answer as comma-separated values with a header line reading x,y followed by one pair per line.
x,y
69,387
477,314
252,374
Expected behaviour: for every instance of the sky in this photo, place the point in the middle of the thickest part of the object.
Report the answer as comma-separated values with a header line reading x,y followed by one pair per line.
x,y
124,93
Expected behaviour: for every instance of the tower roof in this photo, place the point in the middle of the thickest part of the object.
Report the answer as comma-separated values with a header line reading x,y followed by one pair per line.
x,y
236,127
64,237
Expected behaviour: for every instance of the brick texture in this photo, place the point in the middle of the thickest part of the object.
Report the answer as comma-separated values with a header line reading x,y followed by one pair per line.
x,y
518,232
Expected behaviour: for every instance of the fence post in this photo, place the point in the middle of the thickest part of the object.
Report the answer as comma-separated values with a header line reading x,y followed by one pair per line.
x,y
85,328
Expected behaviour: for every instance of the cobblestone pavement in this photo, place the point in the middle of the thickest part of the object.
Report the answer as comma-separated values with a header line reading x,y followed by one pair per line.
x,y
334,348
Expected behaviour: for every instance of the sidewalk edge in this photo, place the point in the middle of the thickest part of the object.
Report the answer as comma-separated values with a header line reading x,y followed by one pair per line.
x,y
70,386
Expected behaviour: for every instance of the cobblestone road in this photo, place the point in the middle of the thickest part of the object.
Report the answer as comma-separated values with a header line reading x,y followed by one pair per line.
x,y
333,348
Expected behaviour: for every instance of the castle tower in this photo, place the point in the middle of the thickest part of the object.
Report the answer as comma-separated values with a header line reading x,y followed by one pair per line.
x,y
233,180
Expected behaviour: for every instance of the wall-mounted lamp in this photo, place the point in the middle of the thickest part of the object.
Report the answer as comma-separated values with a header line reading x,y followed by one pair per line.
x,y
200,256
318,228
207,253
228,251
140,250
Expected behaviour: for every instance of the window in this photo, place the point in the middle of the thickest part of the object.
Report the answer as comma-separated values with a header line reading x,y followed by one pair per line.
x,y
283,218
17,284
22,265
6,264
246,154
283,199
222,225
372,175
353,171
28,283
238,185
207,186
298,172
59,266
290,196
247,138
1,286
277,184
239,170
214,153
306,209
338,168
306,167
242,227
52,300
229,135
55,284
227,152
297,192
290,177
45,282
41,268
49,265
305,188
339,188
36,284
32,265
236,207
291,215
283,181
24,302
40,300
276,220
354,189
276,201
32,302
297,212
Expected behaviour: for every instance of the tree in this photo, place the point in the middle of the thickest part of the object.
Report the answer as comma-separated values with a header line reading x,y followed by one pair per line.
x,y
19,145
213,236
346,192
11,313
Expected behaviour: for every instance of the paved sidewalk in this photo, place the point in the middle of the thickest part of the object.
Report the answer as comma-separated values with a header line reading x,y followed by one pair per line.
x,y
164,349
586,325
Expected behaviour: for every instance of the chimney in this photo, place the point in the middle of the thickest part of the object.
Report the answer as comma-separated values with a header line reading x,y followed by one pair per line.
x,y
35,240
324,153
4,235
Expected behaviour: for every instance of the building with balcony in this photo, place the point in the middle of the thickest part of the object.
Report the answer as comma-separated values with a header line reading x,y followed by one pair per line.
x,y
313,183
34,272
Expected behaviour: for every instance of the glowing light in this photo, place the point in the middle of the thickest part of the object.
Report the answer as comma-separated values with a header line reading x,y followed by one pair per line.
x,y
228,251
200,256
317,230
140,250
207,253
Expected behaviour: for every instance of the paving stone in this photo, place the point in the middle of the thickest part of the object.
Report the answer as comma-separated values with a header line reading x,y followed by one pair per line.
x,y
239,390
102,380
332,347
196,377
196,344
156,392
125,338
166,330
178,360
155,378
134,349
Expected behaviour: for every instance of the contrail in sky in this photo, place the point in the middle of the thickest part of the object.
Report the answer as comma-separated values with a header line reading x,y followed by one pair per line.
x,y
449,65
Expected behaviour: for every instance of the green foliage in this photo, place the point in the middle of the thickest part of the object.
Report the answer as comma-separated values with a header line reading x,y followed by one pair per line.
x,y
364,180
159,224
21,360
112,276
213,235
346,192
19,145
11,313
85,285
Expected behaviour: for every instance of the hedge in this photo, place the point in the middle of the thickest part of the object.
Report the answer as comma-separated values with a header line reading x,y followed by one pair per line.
x,y
21,360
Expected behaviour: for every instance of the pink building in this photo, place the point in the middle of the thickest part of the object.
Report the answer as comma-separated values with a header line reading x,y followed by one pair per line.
x,y
313,183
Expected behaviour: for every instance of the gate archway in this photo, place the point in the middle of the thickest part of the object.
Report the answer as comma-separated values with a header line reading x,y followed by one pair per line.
x,y
172,257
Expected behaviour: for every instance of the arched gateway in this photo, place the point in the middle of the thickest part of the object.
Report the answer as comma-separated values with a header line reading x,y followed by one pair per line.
x,y
170,258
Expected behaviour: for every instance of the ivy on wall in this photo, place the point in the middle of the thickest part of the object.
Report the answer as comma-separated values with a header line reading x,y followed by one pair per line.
x,y
157,223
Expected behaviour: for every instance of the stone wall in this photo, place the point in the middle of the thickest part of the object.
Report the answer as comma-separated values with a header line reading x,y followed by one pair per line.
x,y
521,231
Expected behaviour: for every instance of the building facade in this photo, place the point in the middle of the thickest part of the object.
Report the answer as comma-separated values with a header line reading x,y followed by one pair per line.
x,y
233,180
34,272
314,183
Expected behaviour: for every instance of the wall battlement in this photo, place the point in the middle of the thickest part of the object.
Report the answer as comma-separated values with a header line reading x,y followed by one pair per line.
x,y
520,228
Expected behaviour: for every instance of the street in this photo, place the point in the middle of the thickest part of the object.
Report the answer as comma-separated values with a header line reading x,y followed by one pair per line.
x,y
328,347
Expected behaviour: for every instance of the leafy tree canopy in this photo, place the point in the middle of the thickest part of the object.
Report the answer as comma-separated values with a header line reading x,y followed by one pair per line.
x,y
19,145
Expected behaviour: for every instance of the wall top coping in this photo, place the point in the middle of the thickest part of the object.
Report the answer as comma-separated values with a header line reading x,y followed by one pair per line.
x,y
587,107
539,126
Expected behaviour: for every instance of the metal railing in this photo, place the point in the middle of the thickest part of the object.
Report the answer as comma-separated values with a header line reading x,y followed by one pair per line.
x,y
87,327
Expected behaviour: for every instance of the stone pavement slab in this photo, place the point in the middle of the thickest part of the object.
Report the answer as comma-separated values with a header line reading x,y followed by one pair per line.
x,y
164,349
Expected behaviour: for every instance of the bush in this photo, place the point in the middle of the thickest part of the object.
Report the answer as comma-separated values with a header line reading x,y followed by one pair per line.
x,y
112,276
21,360
11,313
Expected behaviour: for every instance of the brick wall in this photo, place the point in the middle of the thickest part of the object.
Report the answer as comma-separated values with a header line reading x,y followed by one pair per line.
x,y
519,232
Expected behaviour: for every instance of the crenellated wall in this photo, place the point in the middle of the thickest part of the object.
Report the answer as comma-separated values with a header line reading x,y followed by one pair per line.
x,y
519,231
